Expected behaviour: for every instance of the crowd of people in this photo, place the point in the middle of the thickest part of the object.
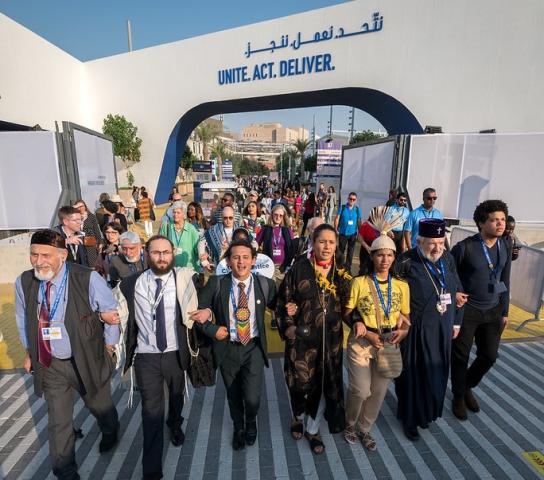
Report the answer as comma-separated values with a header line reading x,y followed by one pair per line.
x,y
105,299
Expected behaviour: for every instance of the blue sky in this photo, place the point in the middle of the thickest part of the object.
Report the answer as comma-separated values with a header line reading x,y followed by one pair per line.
x,y
97,28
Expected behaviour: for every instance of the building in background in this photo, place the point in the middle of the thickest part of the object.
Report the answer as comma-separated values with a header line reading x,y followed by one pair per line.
x,y
273,133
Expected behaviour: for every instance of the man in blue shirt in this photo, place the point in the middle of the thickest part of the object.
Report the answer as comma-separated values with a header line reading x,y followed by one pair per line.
x,y
425,210
399,208
347,223
60,308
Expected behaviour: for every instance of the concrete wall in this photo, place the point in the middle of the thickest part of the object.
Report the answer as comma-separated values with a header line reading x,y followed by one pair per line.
x,y
463,65
39,83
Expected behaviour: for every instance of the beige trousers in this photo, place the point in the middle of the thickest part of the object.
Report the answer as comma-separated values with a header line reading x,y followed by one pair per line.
x,y
366,389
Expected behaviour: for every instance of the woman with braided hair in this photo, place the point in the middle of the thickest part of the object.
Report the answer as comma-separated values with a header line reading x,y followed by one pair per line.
x,y
309,312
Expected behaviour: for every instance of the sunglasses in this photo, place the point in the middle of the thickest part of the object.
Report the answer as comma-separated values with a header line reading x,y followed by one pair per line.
x,y
352,198
431,198
228,218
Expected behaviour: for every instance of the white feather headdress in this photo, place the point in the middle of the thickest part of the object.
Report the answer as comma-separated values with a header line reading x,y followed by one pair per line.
x,y
380,221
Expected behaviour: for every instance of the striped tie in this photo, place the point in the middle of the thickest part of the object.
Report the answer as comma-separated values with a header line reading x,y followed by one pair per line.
x,y
243,326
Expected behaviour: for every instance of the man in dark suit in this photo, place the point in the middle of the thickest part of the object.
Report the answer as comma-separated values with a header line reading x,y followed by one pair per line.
x,y
69,227
238,301
156,343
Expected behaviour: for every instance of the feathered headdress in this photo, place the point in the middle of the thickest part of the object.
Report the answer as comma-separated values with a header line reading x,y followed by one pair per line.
x,y
384,223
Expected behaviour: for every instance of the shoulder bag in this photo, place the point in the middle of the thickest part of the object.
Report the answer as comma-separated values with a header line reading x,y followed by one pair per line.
x,y
201,369
388,358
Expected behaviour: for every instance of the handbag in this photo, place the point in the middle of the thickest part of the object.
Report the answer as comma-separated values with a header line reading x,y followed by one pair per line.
x,y
388,358
201,368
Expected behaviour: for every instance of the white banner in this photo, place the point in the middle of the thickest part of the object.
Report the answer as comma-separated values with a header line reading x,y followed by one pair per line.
x,y
30,184
263,266
366,170
466,169
95,164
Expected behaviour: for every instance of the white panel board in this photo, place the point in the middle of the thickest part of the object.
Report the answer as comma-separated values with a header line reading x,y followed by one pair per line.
x,y
96,166
467,169
30,184
366,170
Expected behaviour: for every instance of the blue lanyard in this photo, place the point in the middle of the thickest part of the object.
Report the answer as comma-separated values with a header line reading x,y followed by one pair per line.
x,y
386,310
440,275
233,300
175,234
58,295
493,268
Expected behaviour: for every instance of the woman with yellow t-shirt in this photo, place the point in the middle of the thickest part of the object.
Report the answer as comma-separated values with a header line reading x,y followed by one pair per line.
x,y
367,387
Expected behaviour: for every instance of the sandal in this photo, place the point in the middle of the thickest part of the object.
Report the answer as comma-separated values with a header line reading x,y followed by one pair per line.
x,y
316,445
350,435
368,441
296,429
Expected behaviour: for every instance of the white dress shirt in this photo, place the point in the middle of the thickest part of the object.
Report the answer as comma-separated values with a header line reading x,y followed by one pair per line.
x,y
249,281
144,298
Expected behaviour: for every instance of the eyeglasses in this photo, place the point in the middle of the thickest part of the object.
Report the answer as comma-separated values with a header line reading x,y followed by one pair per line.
x,y
431,198
164,253
352,198
228,218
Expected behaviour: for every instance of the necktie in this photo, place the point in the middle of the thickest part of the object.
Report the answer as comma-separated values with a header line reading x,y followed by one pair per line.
x,y
160,327
242,316
44,346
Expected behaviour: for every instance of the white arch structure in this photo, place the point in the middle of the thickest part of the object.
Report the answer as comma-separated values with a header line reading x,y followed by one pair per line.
x,y
465,66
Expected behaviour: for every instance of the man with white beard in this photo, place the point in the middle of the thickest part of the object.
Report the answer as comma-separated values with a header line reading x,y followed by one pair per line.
x,y
60,308
132,260
435,294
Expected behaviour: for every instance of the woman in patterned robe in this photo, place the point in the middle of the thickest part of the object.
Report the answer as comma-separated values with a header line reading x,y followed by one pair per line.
x,y
309,311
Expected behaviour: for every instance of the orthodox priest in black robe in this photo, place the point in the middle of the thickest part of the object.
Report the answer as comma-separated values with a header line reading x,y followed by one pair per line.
x,y
434,297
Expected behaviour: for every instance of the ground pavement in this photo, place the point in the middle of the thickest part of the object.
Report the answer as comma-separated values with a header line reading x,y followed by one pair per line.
x,y
489,445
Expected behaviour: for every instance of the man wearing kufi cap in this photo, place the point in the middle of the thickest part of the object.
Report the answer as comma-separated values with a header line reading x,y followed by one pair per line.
x,y
60,311
434,285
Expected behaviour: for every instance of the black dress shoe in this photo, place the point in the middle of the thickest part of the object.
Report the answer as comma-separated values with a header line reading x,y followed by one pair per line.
x,y
471,402
177,436
251,433
153,476
107,442
458,408
411,433
238,439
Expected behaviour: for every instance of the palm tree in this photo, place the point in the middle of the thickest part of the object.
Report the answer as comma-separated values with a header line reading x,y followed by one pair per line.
x,y
206,132
219,151
293,154
300,147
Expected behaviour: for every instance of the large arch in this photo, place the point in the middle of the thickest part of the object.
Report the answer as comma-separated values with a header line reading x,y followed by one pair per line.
x,y
391,113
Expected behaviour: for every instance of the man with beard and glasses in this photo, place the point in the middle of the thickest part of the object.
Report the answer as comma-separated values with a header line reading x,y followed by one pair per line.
x,y
60,311
156,344
435,292
483,262
215,241
131,260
